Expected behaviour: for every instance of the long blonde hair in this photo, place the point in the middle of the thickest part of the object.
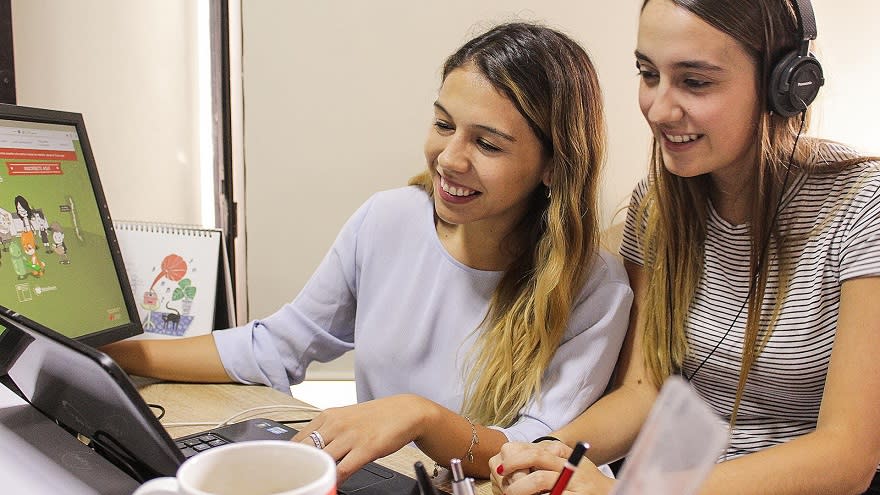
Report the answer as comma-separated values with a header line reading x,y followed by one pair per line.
x,y
675,209
552,82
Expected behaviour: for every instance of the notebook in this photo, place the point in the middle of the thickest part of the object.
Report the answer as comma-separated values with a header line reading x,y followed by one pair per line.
x,y
85,392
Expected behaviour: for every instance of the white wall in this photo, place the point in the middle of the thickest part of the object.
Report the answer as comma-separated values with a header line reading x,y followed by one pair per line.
x,y
338,99
337,102
848,48
130,68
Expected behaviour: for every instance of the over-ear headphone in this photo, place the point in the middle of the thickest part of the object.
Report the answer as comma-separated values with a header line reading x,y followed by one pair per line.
x,y
797,76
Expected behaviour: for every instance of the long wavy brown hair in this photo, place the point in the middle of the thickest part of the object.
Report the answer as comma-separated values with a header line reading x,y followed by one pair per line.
x,y
676,208
551,81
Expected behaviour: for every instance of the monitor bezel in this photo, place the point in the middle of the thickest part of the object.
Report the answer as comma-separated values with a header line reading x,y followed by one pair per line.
x,y
58,117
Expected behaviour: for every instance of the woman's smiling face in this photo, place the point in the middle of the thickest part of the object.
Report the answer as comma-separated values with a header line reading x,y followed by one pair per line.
x,y
485,159
698,93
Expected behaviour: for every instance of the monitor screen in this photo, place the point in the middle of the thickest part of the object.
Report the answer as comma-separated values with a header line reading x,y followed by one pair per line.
x,y
60,264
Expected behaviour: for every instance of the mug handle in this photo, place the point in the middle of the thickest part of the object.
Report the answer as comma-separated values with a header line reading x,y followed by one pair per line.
x,y
159,486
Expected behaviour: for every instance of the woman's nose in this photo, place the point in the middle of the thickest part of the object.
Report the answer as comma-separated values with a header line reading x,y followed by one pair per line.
x,y
664,107
454,156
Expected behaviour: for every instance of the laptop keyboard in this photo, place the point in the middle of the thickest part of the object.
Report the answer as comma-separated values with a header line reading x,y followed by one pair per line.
x,y
192,446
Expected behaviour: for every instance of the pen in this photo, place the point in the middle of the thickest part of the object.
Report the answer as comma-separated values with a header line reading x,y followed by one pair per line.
x,y
424,482
579,450
460,484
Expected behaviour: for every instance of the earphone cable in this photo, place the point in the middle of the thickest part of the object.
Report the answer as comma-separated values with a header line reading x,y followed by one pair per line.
x,y
754,284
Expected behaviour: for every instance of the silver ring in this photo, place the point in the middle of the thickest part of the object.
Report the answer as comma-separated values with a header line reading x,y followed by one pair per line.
x,y
318,439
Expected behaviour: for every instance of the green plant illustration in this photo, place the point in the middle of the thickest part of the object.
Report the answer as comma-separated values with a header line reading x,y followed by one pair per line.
x,y
186,291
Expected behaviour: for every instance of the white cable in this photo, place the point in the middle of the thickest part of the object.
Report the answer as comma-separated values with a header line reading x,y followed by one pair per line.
x,y
215,424
267,408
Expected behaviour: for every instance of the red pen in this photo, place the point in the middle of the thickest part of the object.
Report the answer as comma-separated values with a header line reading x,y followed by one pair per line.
x,y
570,466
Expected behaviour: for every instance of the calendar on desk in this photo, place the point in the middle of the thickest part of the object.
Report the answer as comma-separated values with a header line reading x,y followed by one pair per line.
x,y
179,276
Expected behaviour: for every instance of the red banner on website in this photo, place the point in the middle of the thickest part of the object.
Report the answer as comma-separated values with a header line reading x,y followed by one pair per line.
x,y
27,154
42,168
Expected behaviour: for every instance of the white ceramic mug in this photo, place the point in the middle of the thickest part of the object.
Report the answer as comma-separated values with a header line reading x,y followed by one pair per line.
x,y
264,467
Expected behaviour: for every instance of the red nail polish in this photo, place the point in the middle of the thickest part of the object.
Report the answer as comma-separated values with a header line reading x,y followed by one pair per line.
x,y
500,469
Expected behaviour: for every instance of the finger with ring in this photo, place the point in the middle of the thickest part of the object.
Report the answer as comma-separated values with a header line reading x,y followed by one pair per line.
x,y
318,439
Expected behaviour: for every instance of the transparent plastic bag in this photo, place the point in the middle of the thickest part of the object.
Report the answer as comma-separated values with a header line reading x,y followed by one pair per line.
x,y
677,446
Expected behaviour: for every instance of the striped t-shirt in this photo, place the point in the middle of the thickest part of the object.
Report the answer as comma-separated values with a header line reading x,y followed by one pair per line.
x,y
834,221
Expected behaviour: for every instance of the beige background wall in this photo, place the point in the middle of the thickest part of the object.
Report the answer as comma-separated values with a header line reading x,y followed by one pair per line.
x,y
130,68
337,98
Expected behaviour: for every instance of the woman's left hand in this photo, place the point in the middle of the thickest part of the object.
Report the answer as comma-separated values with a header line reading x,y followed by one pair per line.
x,y
355,435
527,468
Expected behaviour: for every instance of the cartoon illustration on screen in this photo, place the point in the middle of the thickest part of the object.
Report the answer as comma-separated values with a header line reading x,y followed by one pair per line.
x,y
17,256
41,226
6,232
23,209
71,208
58,245
32,261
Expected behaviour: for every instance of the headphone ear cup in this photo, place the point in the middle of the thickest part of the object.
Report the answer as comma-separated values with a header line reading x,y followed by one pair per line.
x,y
794,84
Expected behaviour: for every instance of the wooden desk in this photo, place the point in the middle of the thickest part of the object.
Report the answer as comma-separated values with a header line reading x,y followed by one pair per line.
x,y
185,402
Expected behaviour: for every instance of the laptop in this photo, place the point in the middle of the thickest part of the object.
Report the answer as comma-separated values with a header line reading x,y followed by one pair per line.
x,y
87,394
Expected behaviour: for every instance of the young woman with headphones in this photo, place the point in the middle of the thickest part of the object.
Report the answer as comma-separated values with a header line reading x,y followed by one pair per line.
x,y
754,256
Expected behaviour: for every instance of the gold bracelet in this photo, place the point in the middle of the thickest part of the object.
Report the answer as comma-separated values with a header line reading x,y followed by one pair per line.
x,y
470,451
474,441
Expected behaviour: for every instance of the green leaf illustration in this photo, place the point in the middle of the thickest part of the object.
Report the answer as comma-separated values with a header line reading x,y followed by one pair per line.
x,y
189,293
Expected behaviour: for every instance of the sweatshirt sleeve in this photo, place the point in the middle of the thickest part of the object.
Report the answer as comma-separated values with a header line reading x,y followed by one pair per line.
x,y
318,325
582,366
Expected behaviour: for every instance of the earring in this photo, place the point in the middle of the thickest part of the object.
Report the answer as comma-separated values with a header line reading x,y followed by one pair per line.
x,y
549,192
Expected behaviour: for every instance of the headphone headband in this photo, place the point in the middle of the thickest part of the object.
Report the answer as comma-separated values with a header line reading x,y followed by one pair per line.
x,y
806,19
796,78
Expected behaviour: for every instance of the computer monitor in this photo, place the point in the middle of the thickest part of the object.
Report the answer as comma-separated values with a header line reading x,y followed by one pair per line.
x,y
60,263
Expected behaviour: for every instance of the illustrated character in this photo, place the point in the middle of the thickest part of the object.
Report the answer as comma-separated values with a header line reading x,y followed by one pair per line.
x,y
39,223
171,319
32,262
150,303
6,229
24,213
18,264
58,245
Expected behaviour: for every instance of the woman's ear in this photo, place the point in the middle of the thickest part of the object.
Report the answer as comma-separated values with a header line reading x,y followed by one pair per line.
x,y
545,177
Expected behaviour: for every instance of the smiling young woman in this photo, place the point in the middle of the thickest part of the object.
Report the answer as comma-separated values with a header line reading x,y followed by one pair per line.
x,y
480,306
752,252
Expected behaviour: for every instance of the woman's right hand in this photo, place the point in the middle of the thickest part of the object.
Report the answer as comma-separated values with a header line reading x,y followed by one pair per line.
x,y
527,468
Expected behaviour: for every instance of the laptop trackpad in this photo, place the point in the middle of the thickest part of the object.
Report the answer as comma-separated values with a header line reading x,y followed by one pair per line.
x,y
364,478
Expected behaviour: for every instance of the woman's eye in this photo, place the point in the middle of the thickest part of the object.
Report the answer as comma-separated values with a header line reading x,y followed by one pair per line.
x,y
442,125
647,75
696,83
487,146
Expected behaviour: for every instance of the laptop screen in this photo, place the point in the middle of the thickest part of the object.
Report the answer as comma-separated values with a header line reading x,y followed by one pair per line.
x,y
60,264
85,392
